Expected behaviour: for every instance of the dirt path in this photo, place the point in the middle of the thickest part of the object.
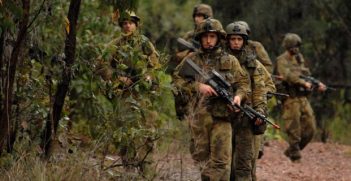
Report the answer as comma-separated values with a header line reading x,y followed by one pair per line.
x,y
320,162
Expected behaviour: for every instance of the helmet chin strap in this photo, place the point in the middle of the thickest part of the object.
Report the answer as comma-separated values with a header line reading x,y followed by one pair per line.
x,y
212,48
294,51
236,51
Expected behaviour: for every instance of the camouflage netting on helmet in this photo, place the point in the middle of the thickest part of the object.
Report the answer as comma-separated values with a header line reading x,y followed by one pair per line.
x,y
237,29
291,40
203,9
128,15
210,25
244,23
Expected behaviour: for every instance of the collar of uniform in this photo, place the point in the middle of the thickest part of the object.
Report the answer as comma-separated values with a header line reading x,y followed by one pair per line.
x,y
214,52
130,35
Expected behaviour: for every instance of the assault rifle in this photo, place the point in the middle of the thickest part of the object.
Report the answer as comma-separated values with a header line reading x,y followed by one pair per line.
x,y
221,86
340,85
277,94
314,82
193,46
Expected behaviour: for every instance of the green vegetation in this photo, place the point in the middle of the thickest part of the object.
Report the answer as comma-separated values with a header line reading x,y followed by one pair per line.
x,y
93,122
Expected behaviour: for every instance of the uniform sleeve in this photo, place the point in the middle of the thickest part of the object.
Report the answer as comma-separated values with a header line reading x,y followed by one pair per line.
x,y
153,56
242,80
268,81
188,35
286,70
259,100
263,57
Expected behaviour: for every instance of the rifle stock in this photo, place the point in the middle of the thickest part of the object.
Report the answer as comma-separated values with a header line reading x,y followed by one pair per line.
x,y
277,94
187,45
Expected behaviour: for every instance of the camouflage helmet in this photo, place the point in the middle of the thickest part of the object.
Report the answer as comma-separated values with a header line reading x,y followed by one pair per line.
x,y
128,15
291,40
245,24
210,25
237,28
203,9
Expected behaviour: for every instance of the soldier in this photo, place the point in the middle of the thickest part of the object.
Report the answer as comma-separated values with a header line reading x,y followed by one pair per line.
x,y
209,123
244,131
261,52
263,57
200,13
130,38
126,69
297,112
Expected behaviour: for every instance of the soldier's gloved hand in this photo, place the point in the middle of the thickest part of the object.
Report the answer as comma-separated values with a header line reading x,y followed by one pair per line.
x,y
258,122
237,100
308,85
206,90
322,87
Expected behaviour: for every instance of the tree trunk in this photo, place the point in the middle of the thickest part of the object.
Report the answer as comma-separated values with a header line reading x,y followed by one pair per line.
x,y
62,87
5,120
2,49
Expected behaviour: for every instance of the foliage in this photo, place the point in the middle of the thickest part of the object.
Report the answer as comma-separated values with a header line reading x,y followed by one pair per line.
x,y
164,21
98,111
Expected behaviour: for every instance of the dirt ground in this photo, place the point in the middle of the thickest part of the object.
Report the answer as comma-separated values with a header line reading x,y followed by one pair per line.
x,y
320,162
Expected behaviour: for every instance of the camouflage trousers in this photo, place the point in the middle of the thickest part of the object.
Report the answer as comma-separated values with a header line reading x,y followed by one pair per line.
x,y
258,144
300,125
211,145
243,150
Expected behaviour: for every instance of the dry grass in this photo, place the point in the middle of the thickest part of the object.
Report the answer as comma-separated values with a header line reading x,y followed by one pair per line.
x,y
171,156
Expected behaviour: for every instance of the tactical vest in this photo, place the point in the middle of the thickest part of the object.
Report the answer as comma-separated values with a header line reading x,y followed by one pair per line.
x,y
298,90
247,59
223,64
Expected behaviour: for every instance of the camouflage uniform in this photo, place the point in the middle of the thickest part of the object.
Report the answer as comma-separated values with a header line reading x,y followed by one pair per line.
x,y
263,57
209,120
261,52
244,131
259,139
200,9
297,111
181,98
135,67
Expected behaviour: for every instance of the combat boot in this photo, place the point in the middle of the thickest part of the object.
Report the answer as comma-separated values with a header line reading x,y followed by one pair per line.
x,y
293,153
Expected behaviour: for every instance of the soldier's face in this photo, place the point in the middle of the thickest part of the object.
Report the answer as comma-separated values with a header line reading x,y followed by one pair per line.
x,y
198,18
294,50
209,40
128,26
236,42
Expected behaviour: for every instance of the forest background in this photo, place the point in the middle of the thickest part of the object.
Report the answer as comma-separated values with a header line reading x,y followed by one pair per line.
x,y
52,99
